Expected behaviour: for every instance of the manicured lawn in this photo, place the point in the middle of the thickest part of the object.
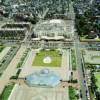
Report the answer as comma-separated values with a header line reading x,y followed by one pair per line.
x,y
97,75
72,93
55,57
6,92
73,59
88,40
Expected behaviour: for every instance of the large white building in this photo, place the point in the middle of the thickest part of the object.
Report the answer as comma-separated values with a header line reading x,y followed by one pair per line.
x,y
55,33
54,28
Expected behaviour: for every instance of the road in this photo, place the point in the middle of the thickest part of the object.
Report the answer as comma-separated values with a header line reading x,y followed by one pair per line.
x,y
80,69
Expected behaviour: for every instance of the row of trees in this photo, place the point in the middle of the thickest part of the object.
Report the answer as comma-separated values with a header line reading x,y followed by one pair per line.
x,y
93,86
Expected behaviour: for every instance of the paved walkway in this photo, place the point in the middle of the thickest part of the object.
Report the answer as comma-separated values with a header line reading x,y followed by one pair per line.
x,y
23,92
11,69
65,63
62,84
4,52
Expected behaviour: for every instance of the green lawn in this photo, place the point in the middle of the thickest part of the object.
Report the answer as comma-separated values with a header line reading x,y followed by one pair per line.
x,y
72,93
6,92
56,59
97,75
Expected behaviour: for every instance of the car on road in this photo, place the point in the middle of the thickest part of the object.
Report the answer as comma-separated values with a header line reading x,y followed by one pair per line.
x,y
80,93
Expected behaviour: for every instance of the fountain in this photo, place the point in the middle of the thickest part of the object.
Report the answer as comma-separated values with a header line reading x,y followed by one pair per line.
x,y
47,60
43,78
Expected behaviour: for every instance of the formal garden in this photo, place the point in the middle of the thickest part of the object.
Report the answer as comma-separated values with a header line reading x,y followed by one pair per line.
x,y
51,58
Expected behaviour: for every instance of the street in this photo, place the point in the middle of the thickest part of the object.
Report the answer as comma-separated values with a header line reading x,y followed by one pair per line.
x,y
80,69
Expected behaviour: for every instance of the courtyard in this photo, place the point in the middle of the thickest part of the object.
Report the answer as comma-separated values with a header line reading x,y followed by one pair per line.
x,y
23,92
59,63
59,92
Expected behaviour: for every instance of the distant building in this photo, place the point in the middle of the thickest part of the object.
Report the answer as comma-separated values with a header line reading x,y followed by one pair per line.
x,y
14,30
